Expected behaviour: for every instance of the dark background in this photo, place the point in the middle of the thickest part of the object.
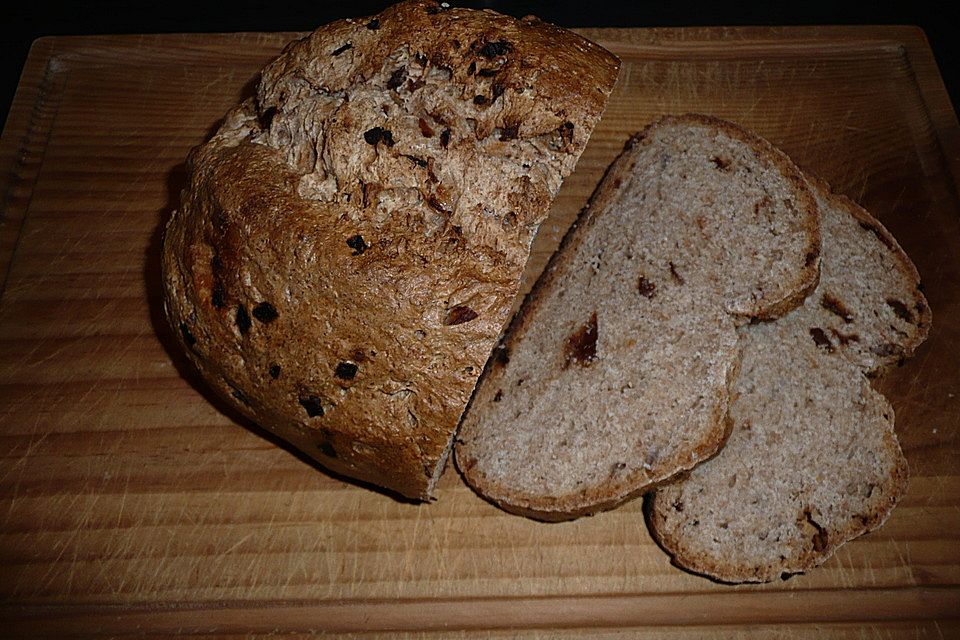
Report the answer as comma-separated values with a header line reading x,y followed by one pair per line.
x,y
26,20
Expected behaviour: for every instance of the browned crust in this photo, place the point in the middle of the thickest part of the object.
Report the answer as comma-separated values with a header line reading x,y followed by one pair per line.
x,y
600,499
805,559
242,208
614,181
611,496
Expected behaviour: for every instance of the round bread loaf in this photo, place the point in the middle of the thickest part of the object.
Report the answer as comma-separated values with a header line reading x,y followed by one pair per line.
x,y
351,240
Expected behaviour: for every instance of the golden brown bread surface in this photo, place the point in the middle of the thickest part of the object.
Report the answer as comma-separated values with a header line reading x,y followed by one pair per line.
x,y
350,241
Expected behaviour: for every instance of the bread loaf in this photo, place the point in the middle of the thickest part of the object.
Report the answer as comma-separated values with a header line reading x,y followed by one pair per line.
x,y
614,376
812,461
350,241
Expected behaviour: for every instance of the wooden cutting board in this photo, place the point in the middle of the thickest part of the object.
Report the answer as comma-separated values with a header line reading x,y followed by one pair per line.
x,y
130,503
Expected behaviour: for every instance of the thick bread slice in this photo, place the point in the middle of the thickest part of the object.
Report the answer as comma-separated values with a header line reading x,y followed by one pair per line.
x,y
618,364
350,242
812,461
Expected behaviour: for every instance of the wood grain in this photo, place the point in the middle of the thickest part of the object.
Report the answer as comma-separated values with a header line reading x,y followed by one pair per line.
x,y
132,503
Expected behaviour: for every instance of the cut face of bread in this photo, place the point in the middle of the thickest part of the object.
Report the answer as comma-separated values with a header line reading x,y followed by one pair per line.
x,y
351,240
812,460
615,374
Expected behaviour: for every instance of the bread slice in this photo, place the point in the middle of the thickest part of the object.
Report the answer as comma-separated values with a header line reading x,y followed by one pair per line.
x,y
614,376
351,241
813,460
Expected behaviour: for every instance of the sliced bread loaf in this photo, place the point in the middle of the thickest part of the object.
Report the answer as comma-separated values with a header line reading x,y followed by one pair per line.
x,y
614,375
351,240
812,460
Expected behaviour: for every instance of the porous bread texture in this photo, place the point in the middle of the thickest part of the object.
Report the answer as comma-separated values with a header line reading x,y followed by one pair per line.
x,y
812,460
350,241
615,374
879,322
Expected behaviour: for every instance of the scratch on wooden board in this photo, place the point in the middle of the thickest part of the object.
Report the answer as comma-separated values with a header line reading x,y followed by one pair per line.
x,y
444,539
299,570
82,524
936,625
217,81
751,109
409,554
112,549
20,464
843,566
864,181
123,499
905,561
870,569
90,407
896,202
845,122
260,571
160,507
160,557
123,577
626,74
916,391
25,360
336,563
236,545
62,544
846,117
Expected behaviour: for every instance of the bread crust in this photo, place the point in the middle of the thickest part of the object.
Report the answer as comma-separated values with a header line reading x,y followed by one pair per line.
x,y
804,558
608,191
331,272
